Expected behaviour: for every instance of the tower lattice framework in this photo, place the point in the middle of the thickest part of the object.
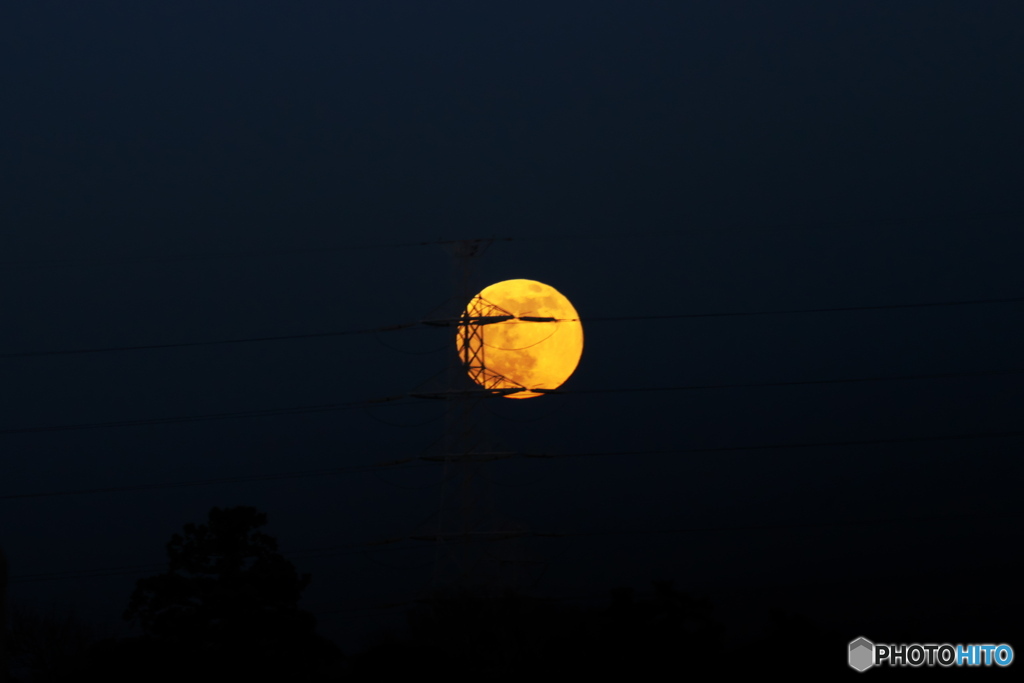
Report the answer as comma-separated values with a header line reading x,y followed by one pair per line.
x,y
466,528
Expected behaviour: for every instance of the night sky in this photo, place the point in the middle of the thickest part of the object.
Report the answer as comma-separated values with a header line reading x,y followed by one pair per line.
x,y
181,172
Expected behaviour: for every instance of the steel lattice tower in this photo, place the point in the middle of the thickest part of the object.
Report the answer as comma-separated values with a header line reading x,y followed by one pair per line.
x,y
465,526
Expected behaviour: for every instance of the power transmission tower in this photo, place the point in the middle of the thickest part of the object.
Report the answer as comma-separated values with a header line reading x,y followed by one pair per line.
x,y
465,526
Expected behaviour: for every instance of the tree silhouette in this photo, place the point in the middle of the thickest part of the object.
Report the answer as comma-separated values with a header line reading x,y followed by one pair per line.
x,y
228,602
225,580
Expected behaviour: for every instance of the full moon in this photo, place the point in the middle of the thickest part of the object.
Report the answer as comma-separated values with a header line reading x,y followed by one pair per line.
x,y
520,334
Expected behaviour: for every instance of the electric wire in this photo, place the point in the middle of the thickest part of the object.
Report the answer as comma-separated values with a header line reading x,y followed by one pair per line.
x,y
424,352
216,342
406,463
553,412
356,548
346,610
378,472
791,311
346,549
877,521
663,234
257,253
789,445
522,348
622,318
792,383
392,401
417,462
419,487
389,423
394,567
270,412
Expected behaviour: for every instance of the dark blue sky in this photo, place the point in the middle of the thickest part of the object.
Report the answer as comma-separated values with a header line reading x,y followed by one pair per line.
x,y
188,173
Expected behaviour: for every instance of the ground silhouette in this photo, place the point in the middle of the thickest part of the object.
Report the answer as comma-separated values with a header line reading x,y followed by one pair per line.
x,y
226,609
508,637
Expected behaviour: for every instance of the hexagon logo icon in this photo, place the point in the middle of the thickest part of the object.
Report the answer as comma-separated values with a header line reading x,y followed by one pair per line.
x,y
862,654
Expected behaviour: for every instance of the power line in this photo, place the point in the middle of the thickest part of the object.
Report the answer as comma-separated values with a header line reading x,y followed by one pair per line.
x,y
255,253
739,385
790,525
672,233
789,311
177,345
412,462
351,548
393,400
406,463
790,445
88,573
328,407
626,318
790,383
347,548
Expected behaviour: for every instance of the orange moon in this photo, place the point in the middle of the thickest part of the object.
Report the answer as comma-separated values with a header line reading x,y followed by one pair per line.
x,y
509,353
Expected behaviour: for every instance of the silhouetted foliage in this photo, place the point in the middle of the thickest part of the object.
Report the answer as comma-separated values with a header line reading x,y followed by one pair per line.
x,y
226,582
226,608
